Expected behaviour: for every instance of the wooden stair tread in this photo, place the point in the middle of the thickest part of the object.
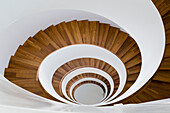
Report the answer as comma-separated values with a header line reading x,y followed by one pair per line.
x,y
120,39
163,76
84,30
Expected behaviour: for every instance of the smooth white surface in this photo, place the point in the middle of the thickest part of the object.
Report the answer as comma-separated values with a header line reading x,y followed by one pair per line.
x,y
87,79
89,94
13,95
86,70
14,99
51,63
139,17
161,108
7,109
135,108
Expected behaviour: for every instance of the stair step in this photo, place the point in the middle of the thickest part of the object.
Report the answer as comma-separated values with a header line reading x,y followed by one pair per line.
x,y
120,39
135,61
21,73
44,39
74,28
103,32
63,33
128,44
24,61
33,52
113,33
43,48
130,54
132,77
84,30
55,36
133,70
163,76
94,31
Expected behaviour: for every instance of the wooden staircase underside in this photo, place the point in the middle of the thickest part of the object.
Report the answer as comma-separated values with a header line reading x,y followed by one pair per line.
x,y
23,66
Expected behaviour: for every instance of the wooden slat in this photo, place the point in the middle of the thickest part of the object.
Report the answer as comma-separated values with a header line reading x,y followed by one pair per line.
x,y
76,32
55,36
120,39
132,77
32,52
163,76
26,55
43,38
63,33
113,32
136,60
133,70
19,73
131,53
94,29
68,33
103,32
43,48
25,63
85,32
129,43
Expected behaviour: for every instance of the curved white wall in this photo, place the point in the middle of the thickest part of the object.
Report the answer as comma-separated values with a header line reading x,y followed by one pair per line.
x,y
135,16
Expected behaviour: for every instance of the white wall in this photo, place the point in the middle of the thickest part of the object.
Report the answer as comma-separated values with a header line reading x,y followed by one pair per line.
x,y
12,95
10,10
16,100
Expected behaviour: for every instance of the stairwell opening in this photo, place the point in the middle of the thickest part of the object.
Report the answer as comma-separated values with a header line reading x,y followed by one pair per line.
x,y
89,94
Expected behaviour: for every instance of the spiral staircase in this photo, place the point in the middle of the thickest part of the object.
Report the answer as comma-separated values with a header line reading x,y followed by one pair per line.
x,y
34,63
